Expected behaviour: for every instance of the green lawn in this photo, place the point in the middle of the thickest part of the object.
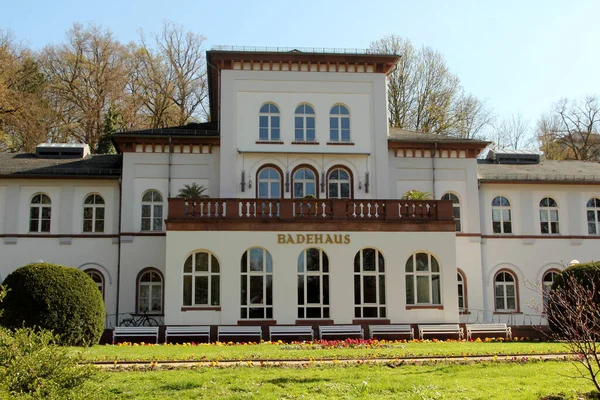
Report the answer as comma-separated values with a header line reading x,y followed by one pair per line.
x,y
307,352
494,380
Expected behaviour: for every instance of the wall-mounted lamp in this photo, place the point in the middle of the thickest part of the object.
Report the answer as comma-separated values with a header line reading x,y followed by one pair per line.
x,y
366,182
250,184
287,181
359,184
322,181
243,183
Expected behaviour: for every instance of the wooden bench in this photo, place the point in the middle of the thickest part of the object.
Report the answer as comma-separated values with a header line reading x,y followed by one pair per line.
x,y
391,330
341,330
291,330
443,329
186,331
488,328
238,330
137,331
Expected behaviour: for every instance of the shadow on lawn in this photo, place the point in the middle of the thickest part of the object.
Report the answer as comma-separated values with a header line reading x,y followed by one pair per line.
x,y
282,382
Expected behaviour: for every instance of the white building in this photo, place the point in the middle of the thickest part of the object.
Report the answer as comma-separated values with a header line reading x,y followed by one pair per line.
x,y
304,224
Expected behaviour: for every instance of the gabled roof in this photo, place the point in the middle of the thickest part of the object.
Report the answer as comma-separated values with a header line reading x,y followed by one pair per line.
x,y
30,166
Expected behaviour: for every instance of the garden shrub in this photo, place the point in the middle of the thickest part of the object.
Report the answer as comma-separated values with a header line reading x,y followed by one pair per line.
x,y
62,299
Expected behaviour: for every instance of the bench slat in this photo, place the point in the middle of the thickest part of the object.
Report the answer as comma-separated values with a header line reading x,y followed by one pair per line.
x,y
239,331
441,329
291,330
391,329
151,331
189,330
488,328
339,330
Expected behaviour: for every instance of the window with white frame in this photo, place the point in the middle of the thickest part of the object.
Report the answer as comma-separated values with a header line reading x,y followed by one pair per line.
x,y
313,284
268,122
40,212
593,216
152,211
201,280
269,183
338,184
456,206
369,284
547,282
423,280
150,292
304,124
462,292
257,284
548,216
339,124
505,292
305,183
93,213
98,279
501,215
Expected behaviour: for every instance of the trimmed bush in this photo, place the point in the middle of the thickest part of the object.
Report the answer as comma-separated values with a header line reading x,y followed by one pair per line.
x,y
61,299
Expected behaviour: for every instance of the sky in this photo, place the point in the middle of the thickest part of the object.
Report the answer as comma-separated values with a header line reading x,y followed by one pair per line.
x,y
519,56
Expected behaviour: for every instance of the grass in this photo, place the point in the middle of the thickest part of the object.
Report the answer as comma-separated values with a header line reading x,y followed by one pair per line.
x,y
494,380
278,351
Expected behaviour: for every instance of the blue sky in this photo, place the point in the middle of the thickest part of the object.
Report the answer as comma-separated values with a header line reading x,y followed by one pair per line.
x,y
520,56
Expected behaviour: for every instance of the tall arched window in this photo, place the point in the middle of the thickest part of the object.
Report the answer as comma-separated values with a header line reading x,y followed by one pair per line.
x,y
548,216
454,198
152,211
501,218
313,284
268,123
462,291
593,216
304,124
339,184
339,124
423,280
505,292
93,213
269,183
201,280
304,183
369,284
150,292
257,284
547,282
98,279
40,212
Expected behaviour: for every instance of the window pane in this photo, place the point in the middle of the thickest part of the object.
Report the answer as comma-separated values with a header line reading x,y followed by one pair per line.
x,y
87,226
410,289
256,290
201,290
187,290
510,290
326,289
357,289
381,289
187,267
256,259
495,215
435,289
298,190
422,262
369,289
369,260
275,134
99,226
507,227
269,290
45,212
357,262
202,262
263,121
423,289
312,260
301,290
313,289
45,226
88,213
274,122
244,289
214,264
409,265
333,190
215,290
263,134
511,304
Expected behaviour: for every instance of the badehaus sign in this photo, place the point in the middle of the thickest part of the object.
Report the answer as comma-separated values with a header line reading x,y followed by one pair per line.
x,y
313,238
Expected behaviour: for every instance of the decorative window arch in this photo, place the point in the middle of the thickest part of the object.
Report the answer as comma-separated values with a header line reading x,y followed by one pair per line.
x,y
150,289
304,124
461,278
313,284
593,216
257,284
339,124
97,277
40,213
506,291
152,211
268,123
456,207
304,182
269,178
547,281
501,215
201,280
369,284
93,213
339,183
423,280
549,216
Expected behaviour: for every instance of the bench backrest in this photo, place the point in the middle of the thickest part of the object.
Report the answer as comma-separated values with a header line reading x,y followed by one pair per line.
x,y
188,329
291,329
390,328
140,330
239,329
340,328
487,327
445,327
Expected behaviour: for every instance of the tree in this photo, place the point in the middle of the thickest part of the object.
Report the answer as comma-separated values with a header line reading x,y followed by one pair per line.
x,y
511,132
192,192
113,122
416,195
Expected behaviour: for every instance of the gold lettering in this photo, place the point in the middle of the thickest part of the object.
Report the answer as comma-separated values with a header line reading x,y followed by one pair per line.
x,y
280,238
290,239
346,239
328,240
338,239
310,238
300,239
313,238
318,238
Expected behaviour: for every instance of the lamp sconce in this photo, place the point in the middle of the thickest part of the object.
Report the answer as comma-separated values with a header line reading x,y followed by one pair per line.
x,y
359,184
243,183
322,181
250,184
366,182
287,181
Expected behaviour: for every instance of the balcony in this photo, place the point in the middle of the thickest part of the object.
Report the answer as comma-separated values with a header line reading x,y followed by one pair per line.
x,y
310,215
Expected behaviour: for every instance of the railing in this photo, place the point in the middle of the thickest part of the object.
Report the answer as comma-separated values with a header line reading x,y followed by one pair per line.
x,y
319,50
478,316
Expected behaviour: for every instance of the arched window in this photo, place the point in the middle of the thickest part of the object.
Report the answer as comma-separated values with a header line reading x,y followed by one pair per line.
x,y
339,124
505,292
501,218
339,184
93,213
462,291
268,122
269,183
304,124
547,282
313,284
150,292
257,284
304,183
369,284
548,216
40,211
201,280
423,281
456,205
98,279
593,216
152,211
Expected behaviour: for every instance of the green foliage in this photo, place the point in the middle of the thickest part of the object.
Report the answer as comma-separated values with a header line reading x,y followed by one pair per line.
x,y
113,122
416,195
62,299
193,191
